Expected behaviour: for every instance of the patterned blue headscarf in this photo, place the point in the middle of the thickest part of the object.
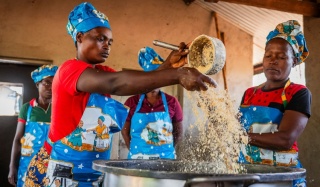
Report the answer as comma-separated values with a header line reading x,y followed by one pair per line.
x,y
85,17
148,59
43,72
291,31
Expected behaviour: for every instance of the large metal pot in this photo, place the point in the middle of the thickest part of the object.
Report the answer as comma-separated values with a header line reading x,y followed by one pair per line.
x,y
156,173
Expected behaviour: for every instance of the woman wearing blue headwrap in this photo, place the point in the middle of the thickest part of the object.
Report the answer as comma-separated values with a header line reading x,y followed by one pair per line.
x,y
33,125
81,91
154,125
276,112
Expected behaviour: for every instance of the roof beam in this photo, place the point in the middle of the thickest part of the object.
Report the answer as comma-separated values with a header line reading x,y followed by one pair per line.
x,y
306,8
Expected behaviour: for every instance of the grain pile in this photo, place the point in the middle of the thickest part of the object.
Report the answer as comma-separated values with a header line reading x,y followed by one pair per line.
x,y
212,142
207,54
201,55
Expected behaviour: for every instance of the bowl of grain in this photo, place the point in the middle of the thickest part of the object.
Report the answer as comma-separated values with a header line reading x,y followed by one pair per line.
x,y
207,54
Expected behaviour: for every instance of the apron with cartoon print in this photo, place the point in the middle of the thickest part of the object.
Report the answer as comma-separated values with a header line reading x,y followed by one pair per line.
x,y
151,134
260,119
71,157
34,136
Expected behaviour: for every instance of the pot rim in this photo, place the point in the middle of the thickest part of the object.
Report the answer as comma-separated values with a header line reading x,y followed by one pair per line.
x,y
121,167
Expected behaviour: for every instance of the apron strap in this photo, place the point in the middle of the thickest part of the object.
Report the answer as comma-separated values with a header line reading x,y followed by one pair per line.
x,y
283,94
142,96
165,104
164,100
50,142
29,112
254,91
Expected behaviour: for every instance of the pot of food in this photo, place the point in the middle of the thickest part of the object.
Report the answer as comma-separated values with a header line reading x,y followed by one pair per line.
x,y
172,173
207,54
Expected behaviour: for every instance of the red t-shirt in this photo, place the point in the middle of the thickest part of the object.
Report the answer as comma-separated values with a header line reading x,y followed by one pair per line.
x,y
68,104
175,110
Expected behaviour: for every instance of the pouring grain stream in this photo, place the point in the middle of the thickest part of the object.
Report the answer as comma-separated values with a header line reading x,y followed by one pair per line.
x,y
212,142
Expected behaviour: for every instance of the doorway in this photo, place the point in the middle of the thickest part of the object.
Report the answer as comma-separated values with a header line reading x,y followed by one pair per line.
x,y
19,75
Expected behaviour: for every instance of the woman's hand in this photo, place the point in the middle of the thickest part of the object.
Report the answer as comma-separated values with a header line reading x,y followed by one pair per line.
x,y
191,79
12,176
176,59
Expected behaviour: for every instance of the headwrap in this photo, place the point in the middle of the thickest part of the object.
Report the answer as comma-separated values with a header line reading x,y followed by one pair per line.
x,y
148,59
291,31
101,118
43,72
85,17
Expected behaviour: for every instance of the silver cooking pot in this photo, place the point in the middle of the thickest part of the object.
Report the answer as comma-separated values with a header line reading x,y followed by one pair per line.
x,y
158,173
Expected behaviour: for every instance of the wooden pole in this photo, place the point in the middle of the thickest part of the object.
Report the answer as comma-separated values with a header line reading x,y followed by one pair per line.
x,y
220,36
224,69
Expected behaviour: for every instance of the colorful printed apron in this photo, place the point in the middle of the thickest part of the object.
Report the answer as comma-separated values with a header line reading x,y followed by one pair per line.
x,y
71,157
151,134
260,119
34,136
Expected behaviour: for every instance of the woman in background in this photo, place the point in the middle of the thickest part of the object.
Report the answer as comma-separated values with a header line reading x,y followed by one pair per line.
x,y
33,125
276,112
154,124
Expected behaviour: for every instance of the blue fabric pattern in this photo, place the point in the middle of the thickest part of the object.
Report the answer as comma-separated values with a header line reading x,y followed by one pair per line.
x,y
43,72
35,135
292,32
265,119
148,59
102,117
85,17
151,134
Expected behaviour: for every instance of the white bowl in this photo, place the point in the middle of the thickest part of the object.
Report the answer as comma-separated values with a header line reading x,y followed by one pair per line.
x,y
207,54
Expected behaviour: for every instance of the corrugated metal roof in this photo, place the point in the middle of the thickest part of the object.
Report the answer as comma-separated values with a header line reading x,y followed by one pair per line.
x,y
257,22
